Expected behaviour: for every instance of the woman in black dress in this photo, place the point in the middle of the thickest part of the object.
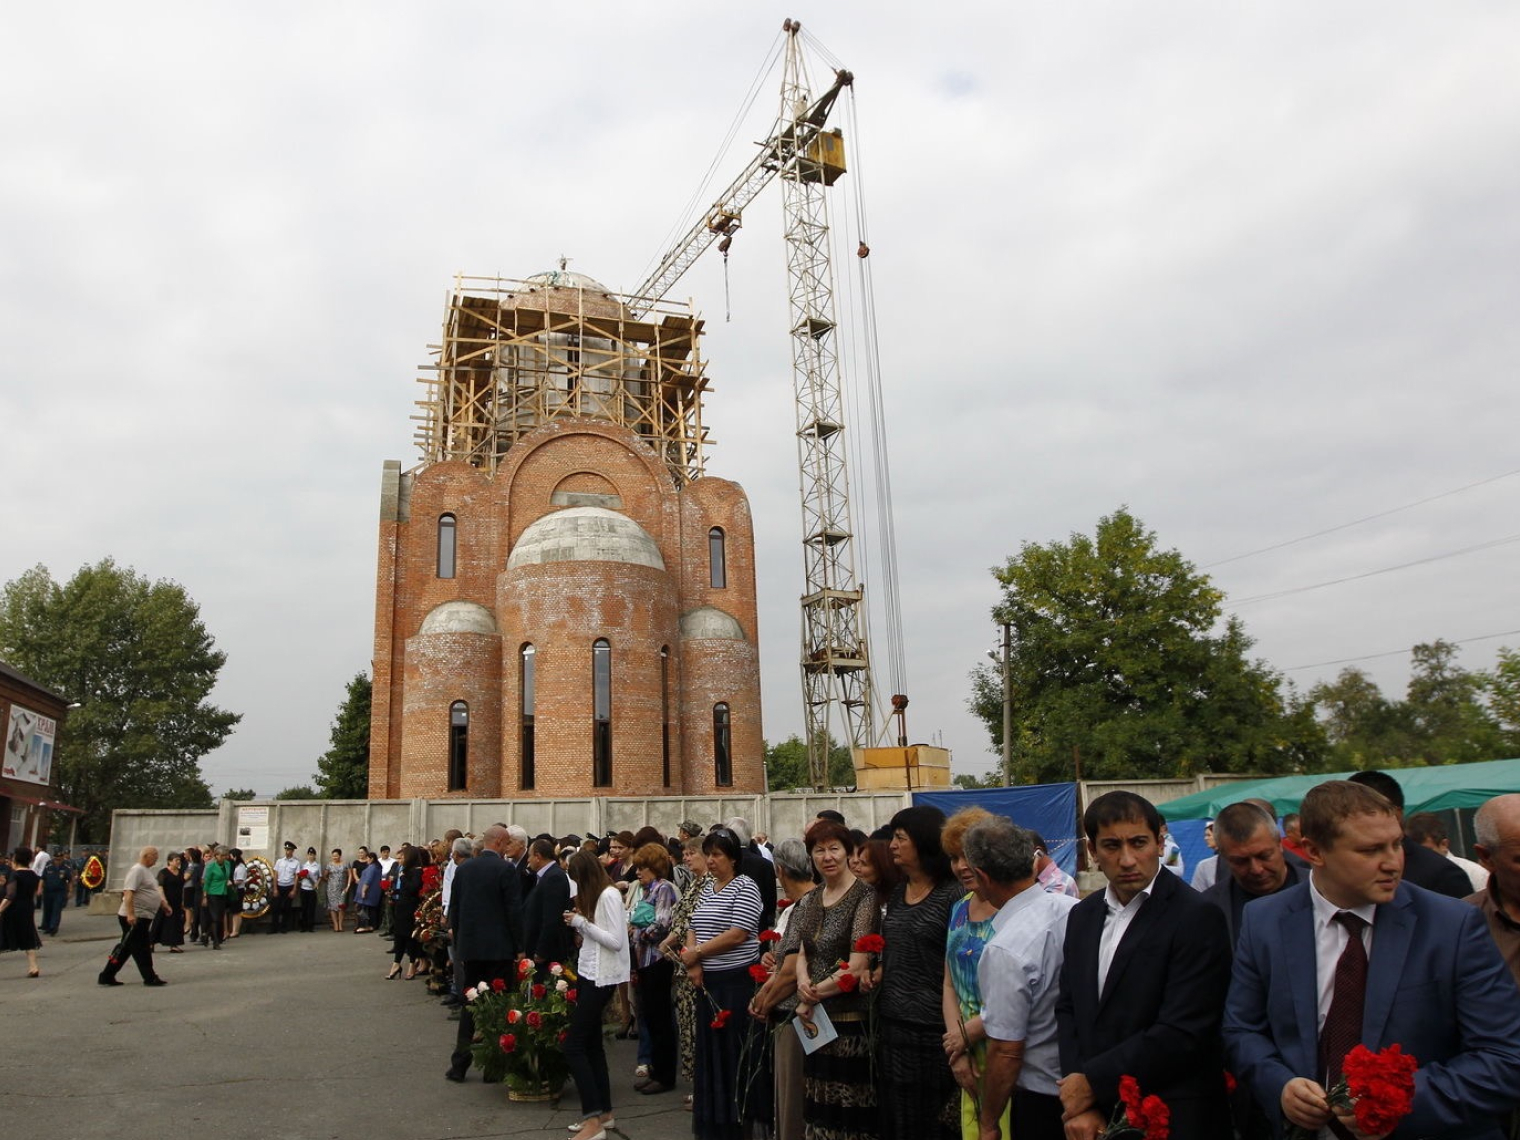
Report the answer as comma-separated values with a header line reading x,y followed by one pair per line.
x,y
404,914
18,921
169,929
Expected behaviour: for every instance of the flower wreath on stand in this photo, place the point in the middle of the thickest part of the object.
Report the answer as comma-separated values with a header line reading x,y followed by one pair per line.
x,y
520,1029
256,890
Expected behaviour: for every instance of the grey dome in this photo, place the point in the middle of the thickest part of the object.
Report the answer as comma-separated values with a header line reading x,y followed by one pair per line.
x,y
709,623
459,617
585,534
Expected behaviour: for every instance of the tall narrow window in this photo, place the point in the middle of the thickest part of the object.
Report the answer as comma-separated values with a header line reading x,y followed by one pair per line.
x,y
665,714
525,714
446,546
601,713
717,560
723,759
459,746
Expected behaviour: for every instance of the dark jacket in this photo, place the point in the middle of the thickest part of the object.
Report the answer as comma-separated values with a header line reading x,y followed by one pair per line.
x,y
1158,1016
1434,871
1229,898
485,909
546,938
759,868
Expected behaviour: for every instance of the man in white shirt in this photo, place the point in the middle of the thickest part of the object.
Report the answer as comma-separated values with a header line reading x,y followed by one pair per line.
x,y
285,871
1019,978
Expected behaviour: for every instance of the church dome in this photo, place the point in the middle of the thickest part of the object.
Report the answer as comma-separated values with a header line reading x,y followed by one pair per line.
x,y
709,623
459,617
585,534
564,291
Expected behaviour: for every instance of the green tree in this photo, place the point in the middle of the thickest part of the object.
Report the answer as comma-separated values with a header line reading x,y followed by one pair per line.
x,y
1118,658
239,794
299,792
985,780
1502,685
786,765
139,661
343,770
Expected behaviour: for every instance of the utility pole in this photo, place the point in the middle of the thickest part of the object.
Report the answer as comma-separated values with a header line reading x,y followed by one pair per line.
x,y
1007,705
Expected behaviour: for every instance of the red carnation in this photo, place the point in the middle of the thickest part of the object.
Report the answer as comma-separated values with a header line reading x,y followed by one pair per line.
x,y
760,974
1157,1117
1381,1086
1230,1083
1129,1093
385,884
563,1033
303,873
524,967
570,995
722,1019
870,944
538,991
507,1041
782,904
769,936
847,982
535,1019
497,985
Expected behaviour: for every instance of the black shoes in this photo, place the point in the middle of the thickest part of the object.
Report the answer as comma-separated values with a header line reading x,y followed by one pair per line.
x,y
453,1074
105,981
155,982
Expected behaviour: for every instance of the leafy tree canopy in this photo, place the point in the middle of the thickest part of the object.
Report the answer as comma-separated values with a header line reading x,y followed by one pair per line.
x,y
1119,658
1443,718
239,794
343,770
299,792
985,780
139,661
1502,684
786,765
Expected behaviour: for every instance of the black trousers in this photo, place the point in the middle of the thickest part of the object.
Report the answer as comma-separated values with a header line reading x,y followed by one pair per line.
x,y
1036,1116
216,910
280,909
658,1012
308,910
475,972
139,945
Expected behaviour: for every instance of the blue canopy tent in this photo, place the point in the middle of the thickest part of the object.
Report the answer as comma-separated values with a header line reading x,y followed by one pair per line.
x,y
1050,809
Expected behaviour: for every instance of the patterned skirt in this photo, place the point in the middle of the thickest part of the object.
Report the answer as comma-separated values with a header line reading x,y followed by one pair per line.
x,y
838,1087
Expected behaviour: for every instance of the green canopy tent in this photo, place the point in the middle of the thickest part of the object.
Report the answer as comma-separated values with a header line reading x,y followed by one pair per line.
x,y
1436,788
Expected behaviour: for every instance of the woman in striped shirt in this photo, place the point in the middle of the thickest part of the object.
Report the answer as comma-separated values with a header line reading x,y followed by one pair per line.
x,y
721,945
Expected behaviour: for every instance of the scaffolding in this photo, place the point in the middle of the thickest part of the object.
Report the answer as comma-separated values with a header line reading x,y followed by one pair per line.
x,y
517,354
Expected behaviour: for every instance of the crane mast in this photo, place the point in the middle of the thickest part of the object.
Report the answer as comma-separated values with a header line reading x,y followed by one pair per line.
x,y
836,670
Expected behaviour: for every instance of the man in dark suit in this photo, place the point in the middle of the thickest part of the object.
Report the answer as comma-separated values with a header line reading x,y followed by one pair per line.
x,y
485,916
757,867
1422,866
1356,955
546,938
1252,861
1146,964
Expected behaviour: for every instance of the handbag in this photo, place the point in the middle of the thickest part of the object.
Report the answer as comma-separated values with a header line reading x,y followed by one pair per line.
x,y
642,915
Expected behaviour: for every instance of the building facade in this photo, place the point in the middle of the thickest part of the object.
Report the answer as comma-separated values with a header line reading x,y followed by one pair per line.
x,y
565,601
30,716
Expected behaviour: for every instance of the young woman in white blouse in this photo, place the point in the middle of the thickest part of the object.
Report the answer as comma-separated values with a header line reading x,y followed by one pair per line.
x,y
603,965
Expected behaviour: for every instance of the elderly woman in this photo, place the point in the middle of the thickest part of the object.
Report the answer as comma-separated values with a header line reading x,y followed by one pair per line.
x,y
169,927
970,928
721,945
141,900
838,1092
680,923
648,926
776,1000
917,1089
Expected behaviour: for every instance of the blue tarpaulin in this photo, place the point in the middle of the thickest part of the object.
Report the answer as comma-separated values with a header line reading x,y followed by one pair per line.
x,y
1050,809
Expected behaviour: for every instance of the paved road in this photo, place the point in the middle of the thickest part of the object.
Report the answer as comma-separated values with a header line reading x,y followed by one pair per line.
x,y
288,1037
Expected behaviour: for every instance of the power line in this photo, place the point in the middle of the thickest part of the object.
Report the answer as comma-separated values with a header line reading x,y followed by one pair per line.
x,y
1382,570
1358,522
1399,652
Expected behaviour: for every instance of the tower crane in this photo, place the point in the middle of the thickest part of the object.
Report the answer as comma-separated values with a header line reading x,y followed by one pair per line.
x,y
835,663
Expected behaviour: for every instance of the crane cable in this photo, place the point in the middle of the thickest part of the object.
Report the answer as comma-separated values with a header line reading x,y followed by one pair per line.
x,y
687,217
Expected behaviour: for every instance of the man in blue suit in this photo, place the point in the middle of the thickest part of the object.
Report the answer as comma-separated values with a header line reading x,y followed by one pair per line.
x,y
1422,974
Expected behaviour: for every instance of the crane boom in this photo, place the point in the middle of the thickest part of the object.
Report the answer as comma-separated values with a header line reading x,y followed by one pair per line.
x,y
792,137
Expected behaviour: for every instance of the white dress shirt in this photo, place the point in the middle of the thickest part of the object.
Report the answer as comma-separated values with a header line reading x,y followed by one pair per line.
x,y
1330,939
1115,924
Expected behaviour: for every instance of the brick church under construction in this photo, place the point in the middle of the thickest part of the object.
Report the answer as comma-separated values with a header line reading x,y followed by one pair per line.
x,y
565,601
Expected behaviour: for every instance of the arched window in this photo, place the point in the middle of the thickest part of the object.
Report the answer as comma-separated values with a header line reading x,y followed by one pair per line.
x,y
525,704
447,542
717,559
723,759
459,746
665,714
601,713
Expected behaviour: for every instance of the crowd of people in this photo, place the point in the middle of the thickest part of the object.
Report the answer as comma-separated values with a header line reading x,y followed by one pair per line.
x,y
940,978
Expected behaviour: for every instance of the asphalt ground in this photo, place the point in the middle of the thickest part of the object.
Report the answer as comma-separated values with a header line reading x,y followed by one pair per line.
x,y
286,1036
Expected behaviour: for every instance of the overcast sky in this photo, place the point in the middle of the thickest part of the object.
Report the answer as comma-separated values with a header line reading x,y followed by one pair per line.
x,y
1250,269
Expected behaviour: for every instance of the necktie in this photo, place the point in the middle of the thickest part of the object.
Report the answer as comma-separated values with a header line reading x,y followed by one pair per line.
x,y
1342,1031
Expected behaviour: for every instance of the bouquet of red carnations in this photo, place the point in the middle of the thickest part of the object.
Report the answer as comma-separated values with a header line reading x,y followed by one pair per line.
x,y
1378,1088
